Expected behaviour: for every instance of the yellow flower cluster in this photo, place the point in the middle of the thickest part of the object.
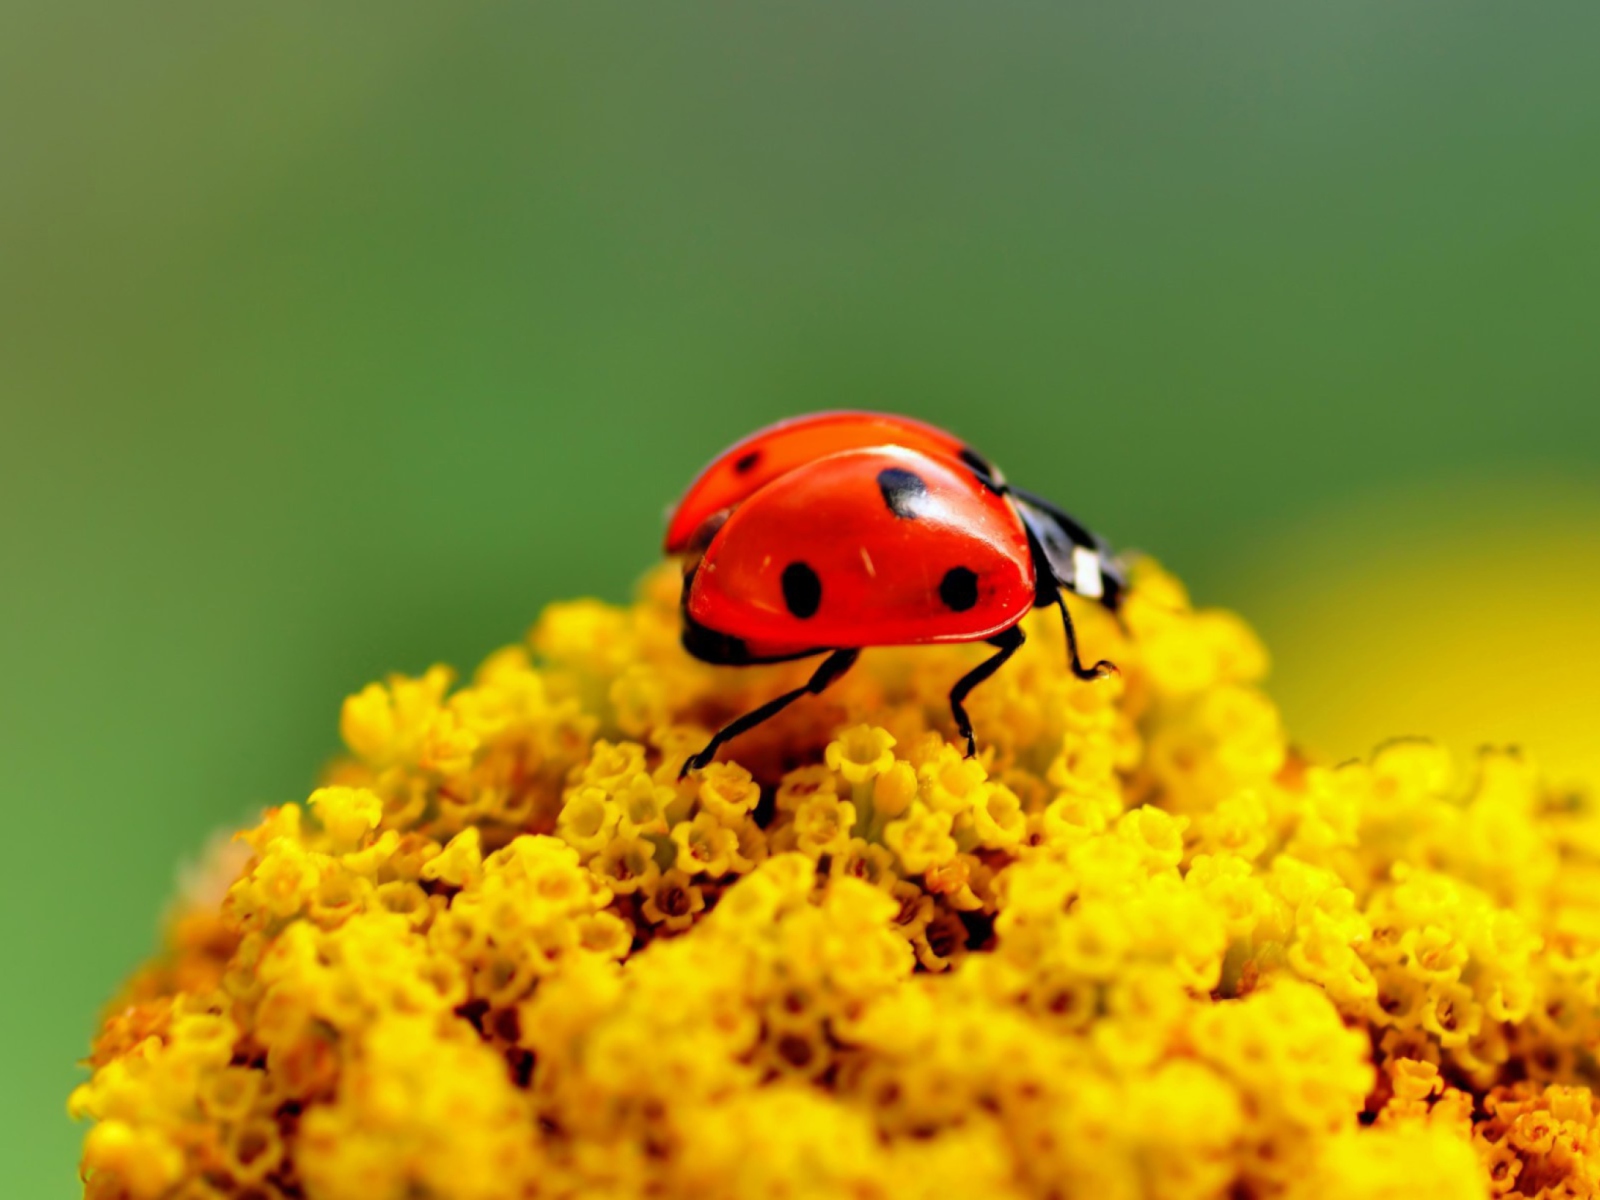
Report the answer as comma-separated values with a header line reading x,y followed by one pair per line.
x,y
1139,947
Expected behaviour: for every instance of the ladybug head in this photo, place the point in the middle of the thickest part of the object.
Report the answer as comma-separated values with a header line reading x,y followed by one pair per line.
x,y
703,533
1067,555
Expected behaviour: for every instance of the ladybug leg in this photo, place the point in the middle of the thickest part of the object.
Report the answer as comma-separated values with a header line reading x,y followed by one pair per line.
x,y
835,665
1008,643
1101,668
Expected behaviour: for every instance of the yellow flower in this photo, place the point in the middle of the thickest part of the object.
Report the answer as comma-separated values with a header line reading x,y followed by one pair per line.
x,y
802,783
642,805
894,790
1158,836
1452,1015
860,753
348,814
459,862
589,819
822,825
605,934
953,784
405,722
674,902
627,864
1437,956
437,1091
922,839
998,819
1142,947
611,766
142,1160
705,847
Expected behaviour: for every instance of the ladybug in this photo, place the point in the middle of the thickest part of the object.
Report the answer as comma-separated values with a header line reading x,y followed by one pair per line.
x,y
825,534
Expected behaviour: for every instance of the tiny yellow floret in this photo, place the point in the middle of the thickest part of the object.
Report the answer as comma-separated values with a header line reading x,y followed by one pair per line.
x,y
860,753
348,814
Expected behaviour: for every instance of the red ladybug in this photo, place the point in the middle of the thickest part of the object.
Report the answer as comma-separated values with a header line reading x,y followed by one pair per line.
x,y
828,533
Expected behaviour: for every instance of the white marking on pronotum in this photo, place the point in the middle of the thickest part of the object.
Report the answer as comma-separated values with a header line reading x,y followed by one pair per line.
x,y
1086,578
866,561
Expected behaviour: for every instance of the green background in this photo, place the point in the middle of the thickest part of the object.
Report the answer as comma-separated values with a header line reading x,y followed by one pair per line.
x,y
338,339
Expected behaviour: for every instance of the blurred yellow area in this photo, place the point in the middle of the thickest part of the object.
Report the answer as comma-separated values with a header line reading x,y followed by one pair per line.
x,y
1468,613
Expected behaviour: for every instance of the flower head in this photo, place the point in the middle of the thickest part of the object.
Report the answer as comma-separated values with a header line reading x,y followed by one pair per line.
x,y
1141,946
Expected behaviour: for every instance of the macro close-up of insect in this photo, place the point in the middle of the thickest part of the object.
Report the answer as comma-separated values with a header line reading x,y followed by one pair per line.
x,y
784,602
830,533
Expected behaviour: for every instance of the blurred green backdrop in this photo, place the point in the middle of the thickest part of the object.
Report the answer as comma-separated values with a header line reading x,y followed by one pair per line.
x,y
336,339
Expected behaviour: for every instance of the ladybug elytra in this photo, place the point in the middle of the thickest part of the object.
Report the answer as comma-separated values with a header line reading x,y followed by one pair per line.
x,y
825,534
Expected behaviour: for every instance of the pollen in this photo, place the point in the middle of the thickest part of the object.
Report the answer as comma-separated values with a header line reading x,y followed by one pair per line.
x,y
1143,946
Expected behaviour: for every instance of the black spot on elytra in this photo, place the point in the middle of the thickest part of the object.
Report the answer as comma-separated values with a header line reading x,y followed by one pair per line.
x,y
959,589
903,491
802,590
746,463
